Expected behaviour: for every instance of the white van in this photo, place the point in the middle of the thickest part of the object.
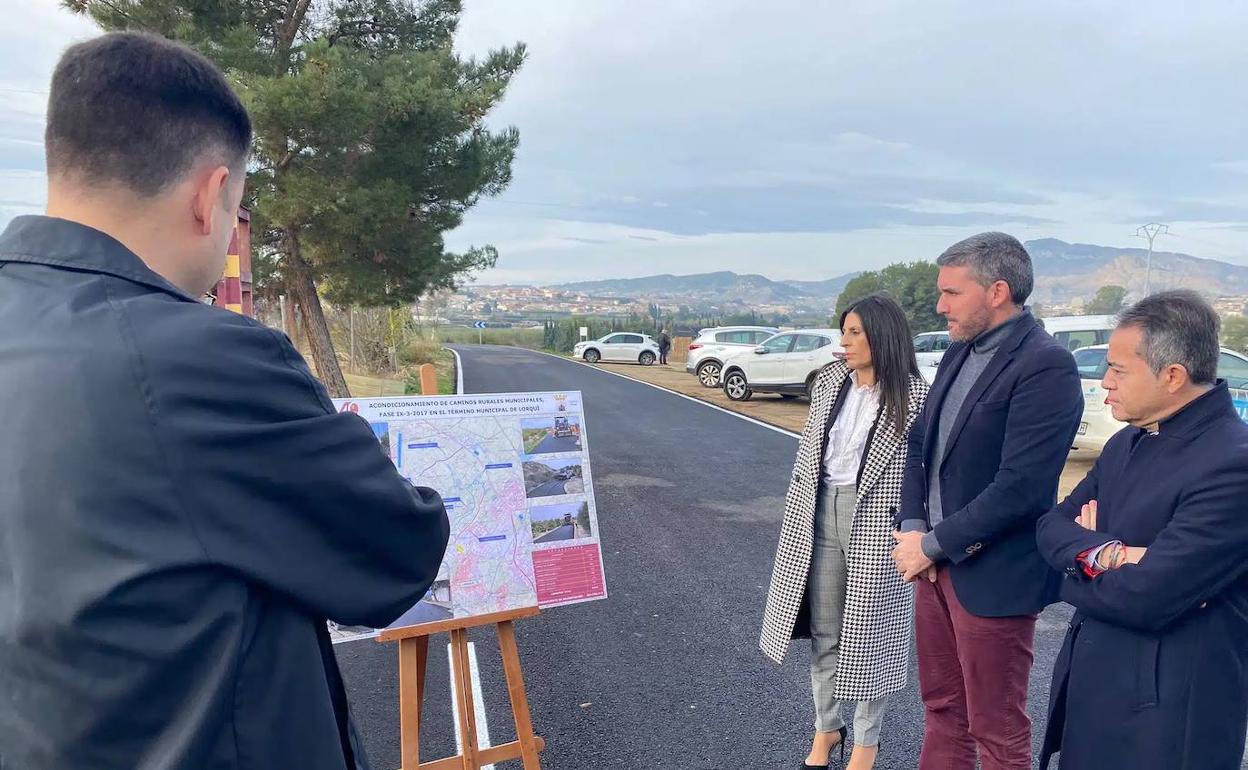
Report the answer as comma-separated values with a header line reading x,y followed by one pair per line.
x,y
1080,331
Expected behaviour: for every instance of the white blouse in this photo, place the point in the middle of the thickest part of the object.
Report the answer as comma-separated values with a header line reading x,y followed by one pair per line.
x,y
847,438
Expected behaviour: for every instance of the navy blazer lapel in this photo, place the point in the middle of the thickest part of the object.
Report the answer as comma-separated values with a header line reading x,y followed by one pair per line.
x,y
1004,355
951,362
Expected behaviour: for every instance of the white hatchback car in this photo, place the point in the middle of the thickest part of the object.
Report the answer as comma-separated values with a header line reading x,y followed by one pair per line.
x,y
624,347
712,347
1098,425
786,364
929,348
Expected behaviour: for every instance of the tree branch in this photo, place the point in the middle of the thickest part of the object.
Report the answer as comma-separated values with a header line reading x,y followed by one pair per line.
x,y
360,28
296,11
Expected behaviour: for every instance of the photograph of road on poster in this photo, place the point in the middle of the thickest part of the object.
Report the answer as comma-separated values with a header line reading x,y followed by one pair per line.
x,y
382,431
566,521
553,477
434,607
547,435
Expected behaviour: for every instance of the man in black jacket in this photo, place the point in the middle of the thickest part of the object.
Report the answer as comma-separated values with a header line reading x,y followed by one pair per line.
x,y
984,461
181,507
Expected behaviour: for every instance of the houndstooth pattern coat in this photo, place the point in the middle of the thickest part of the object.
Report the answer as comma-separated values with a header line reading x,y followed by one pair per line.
x,y
879,605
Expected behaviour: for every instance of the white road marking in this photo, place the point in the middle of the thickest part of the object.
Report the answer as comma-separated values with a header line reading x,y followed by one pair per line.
x,y
478,702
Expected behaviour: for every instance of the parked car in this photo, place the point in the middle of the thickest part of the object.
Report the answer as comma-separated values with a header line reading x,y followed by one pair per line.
x,y
929,348
786,364
1098,424
621,346
1072,331
1079,331
712,346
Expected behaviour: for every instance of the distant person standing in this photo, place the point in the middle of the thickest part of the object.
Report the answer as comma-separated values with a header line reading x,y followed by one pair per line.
x,y
665,344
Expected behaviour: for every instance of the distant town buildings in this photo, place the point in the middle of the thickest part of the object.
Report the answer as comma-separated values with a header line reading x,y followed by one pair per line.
x,y
512,304
500,303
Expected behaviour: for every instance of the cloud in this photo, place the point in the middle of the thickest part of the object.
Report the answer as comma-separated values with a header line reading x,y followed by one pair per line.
x,y
21,155
785,209
1233,166
1229,210
814,138
25,192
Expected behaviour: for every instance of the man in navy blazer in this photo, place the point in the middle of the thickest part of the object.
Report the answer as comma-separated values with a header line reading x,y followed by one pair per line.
x,y
1153,674
983,465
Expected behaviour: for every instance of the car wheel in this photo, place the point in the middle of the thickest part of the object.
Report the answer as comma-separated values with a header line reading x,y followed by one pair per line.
x,y
810,387
592,356
646,359
736,388
708,374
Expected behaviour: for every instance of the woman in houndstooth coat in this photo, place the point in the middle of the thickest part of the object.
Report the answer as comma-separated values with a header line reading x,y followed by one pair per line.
x,y
834,579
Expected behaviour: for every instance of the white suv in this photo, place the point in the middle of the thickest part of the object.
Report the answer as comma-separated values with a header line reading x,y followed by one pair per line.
x,y
786,364
929,348
712,346
622,347
1098,425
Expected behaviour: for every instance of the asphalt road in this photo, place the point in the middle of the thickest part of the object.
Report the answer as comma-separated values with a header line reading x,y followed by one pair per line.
x,y
566,532
549,488
554,443
666,672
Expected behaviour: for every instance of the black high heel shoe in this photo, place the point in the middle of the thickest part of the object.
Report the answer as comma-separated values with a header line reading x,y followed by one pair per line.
x,y
844,731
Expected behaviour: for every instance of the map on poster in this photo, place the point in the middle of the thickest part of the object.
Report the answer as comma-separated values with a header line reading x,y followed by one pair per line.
x,y
513,470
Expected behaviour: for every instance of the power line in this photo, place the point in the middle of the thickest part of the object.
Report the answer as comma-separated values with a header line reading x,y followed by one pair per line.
x,y
1150,231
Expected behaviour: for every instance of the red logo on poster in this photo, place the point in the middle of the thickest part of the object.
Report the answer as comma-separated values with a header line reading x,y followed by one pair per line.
x,y
351,407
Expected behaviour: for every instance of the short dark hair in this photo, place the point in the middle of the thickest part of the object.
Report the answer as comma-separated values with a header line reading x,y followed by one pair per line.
x,y
1179,327
994,257
892,352
139,110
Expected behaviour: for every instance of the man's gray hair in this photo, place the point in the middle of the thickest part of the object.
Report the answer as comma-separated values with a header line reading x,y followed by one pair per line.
x,y
993,257
1179,327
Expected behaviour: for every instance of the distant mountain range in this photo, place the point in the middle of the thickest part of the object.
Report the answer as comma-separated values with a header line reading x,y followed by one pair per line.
x,y
1065,272
723,287
1068,271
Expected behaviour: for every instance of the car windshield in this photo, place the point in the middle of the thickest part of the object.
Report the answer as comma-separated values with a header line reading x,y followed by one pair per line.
x,y
1091,363
779,344
1234,370
808,342
736,337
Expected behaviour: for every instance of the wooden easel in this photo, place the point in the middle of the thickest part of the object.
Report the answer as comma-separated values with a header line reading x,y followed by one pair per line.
x,y
413,661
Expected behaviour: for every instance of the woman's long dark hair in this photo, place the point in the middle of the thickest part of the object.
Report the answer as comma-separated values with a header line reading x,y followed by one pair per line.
x,y
892,352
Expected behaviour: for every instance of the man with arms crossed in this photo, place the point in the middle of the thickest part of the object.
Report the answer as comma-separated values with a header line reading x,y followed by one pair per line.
x,y
1154,545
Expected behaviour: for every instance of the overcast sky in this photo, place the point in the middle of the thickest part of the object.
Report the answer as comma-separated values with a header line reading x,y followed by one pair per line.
x,y
804,139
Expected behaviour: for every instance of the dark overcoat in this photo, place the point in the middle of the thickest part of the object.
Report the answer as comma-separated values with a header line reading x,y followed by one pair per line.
x,y
181,509
1153,673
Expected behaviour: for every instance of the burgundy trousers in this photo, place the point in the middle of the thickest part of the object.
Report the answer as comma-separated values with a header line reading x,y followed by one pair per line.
x,y
973,675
